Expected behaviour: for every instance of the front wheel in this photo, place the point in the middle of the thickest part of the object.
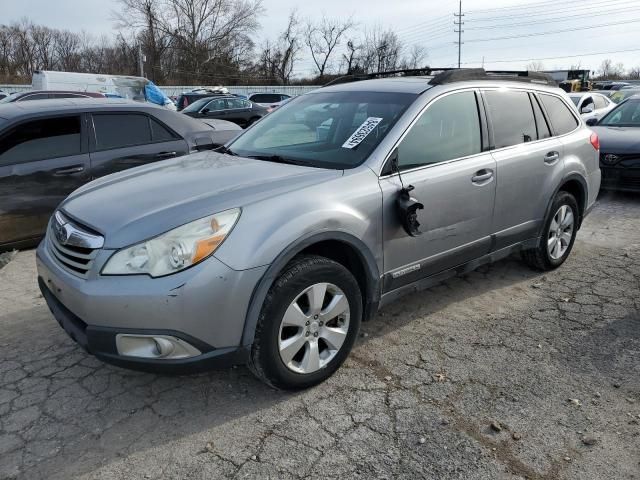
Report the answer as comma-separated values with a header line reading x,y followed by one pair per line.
x,y
308,324
559,234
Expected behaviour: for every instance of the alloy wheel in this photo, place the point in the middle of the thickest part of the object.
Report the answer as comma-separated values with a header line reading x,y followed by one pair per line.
x,y
560,232
313,328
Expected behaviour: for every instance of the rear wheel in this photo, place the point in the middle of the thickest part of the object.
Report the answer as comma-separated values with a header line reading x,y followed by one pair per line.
x,y
559,234
308,324
252,121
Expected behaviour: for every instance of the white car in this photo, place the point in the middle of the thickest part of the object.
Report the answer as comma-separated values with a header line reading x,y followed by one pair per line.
x,y
592,105
269,100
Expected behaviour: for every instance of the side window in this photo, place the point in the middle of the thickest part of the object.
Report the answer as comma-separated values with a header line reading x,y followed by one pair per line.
x,y
234,103
41,139
448,129
561,117
511,117
121,130
600,102
35,96
218,104
541,123
159,133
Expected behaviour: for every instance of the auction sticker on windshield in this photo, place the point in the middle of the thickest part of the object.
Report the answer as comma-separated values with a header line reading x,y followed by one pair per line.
x,y
362,132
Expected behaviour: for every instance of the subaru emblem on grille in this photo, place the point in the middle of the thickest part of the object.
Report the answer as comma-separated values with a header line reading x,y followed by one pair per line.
x,y
68,234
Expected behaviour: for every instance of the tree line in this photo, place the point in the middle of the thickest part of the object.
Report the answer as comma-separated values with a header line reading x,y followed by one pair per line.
x,y
205,42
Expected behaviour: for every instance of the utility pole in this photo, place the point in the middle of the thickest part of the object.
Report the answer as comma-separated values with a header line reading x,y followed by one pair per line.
x,y
140,60
458,23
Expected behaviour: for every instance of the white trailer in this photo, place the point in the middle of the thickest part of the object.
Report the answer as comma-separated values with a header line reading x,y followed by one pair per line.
x,y
132,88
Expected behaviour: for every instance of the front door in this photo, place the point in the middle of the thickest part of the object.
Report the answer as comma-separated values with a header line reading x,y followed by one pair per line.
x,y
442,156
41,162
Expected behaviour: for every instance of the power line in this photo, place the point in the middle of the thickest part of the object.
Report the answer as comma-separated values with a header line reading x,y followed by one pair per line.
x,y
588,7
559,57
550,20
551,32
516,7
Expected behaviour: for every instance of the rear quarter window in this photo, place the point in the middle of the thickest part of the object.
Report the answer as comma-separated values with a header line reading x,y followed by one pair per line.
x,y
562,120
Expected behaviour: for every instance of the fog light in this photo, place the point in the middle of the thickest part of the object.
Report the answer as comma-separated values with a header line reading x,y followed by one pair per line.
x,y
164,347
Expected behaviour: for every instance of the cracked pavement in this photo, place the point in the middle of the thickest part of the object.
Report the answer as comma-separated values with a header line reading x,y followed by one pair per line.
x,y
551,360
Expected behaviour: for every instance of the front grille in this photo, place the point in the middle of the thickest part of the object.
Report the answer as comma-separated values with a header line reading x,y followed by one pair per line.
x,y
73,258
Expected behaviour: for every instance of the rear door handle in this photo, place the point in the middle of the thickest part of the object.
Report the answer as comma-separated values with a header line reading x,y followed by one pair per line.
x,y
166,154
481,177
551,158
59,172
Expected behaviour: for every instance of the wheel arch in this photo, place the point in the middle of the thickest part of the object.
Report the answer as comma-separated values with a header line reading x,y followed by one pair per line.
x,y
576,185
341,247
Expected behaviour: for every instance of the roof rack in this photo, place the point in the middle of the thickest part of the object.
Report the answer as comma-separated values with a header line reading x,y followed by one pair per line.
x,y
442,76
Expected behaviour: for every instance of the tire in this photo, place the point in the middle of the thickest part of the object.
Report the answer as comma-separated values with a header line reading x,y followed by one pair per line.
x,y
544,257
276,339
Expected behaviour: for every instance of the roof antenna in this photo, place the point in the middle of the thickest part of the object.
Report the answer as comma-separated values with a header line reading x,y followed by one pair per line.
x,y
407,206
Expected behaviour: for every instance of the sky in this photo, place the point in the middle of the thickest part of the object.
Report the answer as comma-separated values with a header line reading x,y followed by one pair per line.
x,y
506,34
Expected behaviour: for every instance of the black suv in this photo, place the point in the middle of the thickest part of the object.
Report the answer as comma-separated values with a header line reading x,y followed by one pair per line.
x,y
51,147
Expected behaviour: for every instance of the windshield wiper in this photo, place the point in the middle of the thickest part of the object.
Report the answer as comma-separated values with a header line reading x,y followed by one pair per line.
x,y
223,149
279,159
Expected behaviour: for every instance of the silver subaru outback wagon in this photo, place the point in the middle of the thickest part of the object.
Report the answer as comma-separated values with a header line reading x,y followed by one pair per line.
x,y
272,251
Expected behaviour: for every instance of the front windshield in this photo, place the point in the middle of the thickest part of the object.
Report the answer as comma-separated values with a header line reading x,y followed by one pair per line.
x,y
624,115
197,105
325,129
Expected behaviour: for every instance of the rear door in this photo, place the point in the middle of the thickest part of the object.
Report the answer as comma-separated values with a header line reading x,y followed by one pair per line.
x,y
239,111
443,155
41,162
126,139
528,161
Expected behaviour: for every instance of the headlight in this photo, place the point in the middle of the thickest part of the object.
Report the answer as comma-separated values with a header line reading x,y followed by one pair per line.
x,y
175,250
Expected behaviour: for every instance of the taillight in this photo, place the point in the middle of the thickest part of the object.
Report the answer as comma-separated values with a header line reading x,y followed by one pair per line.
x,y
595,141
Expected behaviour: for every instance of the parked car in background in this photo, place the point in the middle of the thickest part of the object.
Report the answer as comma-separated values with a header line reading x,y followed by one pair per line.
x,y
229,107
274,251
619,96
225,131
615,85
273,100
187,98
591,105
619,133
51,147
48,95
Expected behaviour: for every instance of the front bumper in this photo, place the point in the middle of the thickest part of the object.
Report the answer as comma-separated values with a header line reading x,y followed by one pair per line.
x,y
621,178
204,306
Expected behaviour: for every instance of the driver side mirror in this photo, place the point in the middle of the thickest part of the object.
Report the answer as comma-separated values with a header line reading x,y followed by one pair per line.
x,y
592,121
588,108
205,110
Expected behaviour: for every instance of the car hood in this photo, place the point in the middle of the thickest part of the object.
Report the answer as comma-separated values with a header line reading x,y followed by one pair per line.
x,y
137,204
618,139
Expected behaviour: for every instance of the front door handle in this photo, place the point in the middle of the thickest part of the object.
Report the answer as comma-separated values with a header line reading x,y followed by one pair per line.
x,y
551,158
59,172
166,154
482,177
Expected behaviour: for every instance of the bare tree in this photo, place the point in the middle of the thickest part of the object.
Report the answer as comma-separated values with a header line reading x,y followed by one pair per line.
x,y
323,37
610,71
535,66
350,58
416,57
634,73
277,60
